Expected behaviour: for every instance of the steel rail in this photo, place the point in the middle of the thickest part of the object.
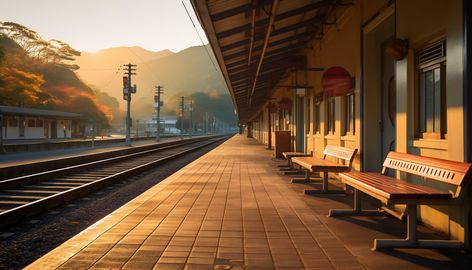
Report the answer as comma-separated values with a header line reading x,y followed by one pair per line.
x,y
45,202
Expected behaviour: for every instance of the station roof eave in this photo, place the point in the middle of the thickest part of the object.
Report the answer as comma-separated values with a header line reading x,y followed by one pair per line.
x,y
258,42
10,110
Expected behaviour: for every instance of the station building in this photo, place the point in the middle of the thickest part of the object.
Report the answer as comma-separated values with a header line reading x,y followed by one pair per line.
x,y
28,123
168,125
375,75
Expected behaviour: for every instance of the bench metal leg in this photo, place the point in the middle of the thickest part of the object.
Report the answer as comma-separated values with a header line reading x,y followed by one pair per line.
x,y
325,189
356,210
305,179
289,169
411,240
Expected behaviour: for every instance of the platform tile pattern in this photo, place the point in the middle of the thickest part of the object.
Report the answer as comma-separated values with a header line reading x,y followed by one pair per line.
x,y
226,210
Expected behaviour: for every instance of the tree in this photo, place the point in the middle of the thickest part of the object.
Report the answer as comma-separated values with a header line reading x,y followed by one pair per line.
x,y
2,55
20,88
53,51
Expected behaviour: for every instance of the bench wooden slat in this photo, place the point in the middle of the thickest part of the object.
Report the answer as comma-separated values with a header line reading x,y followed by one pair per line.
x,y
294,154
447,171
392,188
318,164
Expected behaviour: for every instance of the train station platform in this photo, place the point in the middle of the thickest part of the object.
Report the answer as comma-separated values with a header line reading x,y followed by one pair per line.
x,y
230,209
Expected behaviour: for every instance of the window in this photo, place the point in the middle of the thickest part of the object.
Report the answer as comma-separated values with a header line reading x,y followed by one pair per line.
x,y
431,93
308,119
350,114
31,123
39,123
331,115
12,122
317,114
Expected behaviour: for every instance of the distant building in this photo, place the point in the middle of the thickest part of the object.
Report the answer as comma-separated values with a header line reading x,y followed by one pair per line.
x,y
167,125
28,123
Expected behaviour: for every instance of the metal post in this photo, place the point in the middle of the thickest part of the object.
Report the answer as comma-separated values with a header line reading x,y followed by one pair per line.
x,y
93,133
182,118
411,224
137,128
128,119
190,120
2,150
357,201
325,181
206,122
159,91
127,91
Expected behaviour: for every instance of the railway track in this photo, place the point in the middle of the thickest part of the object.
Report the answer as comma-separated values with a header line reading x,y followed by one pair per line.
x,y
31,194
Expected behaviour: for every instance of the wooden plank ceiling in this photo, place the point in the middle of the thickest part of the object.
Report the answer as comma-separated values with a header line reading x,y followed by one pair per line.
x,y
257,42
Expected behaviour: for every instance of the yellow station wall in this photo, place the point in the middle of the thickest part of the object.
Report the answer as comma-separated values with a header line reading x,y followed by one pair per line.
x,y
419,21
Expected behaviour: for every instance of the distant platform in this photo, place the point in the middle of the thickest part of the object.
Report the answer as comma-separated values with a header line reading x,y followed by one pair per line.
x,y
230,209
22,158
30,145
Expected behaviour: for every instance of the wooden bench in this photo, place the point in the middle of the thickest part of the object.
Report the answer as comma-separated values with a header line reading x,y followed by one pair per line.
x,y
391,191
288,168
322,165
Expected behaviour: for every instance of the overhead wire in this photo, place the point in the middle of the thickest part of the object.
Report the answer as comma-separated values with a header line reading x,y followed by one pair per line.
x,y
112,79
198,34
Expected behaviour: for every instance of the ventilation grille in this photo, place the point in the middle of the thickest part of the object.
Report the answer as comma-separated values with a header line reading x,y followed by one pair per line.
x,y
433,53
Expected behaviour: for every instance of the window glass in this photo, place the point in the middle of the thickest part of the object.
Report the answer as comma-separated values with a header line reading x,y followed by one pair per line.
x,y
316,117
437,100
31,123
12,122
431,95
350,118
331,115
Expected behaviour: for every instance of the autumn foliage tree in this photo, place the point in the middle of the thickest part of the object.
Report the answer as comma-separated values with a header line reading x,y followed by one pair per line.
x,y
21,88
39,74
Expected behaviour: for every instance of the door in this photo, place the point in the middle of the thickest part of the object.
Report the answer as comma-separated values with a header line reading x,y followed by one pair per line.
x,y
300,124
378,120
53,129
21,127
388,101
46,129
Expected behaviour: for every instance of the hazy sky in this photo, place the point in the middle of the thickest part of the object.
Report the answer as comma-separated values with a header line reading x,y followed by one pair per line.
x,y
91,25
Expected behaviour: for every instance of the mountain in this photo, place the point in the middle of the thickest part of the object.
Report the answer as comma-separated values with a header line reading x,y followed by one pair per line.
x,y
182,73
113,58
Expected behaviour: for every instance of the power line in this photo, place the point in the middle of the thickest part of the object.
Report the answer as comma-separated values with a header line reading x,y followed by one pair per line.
x,y
112,79
142,61
198,34
96,69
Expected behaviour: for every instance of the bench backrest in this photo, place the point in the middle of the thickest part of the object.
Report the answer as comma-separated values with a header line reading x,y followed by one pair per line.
x,y
447,171
340,152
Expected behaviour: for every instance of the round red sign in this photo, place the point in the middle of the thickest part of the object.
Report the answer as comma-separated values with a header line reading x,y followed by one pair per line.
x,y
336,81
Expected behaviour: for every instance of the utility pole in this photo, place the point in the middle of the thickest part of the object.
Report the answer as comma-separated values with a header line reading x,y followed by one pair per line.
x,y
93,132
157,104
182,108
206,122
137,128
191,115
127,91
2,150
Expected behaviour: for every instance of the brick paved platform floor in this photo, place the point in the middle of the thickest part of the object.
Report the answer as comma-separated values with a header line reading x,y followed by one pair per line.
x,y
230,210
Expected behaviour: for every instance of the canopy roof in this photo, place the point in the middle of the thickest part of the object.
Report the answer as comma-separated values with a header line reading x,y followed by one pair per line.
x,y
8,110
257,42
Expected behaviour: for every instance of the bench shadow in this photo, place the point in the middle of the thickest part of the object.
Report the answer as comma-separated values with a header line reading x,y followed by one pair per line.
x,y
446,259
